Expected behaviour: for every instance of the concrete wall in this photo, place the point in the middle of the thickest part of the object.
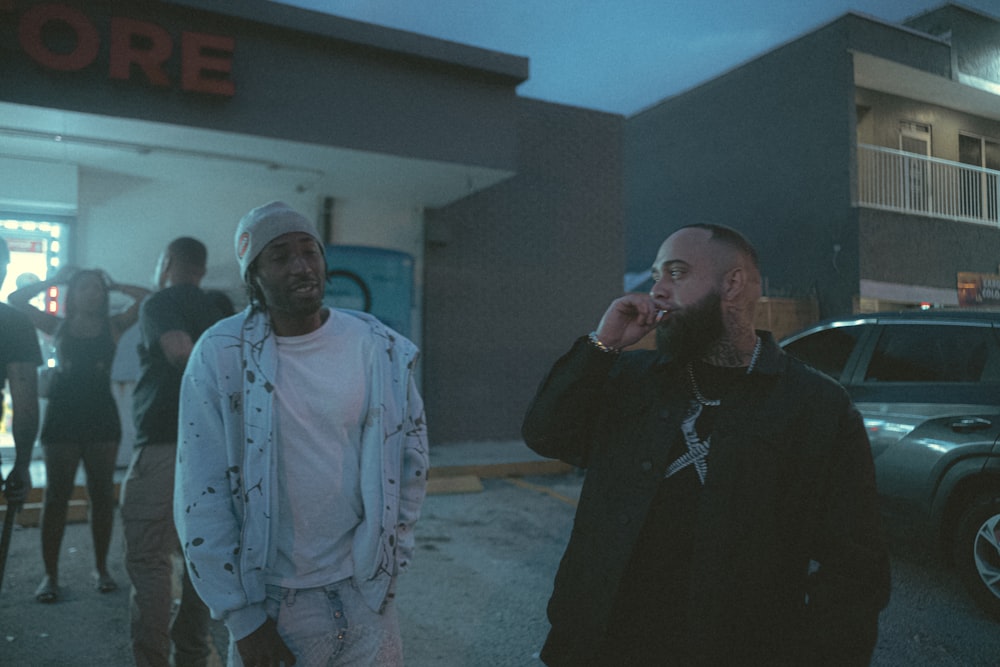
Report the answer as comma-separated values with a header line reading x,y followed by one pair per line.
x,y
884,112
298,75
975,36
768,149
515,273
918,250
915,250
763,149
509,276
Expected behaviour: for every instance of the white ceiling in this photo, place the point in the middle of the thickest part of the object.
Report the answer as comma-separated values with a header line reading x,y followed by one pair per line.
x,y
169,152
892,77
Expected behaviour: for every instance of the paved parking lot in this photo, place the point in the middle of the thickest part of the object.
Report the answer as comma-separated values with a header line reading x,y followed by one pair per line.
x,y
475,596
494,554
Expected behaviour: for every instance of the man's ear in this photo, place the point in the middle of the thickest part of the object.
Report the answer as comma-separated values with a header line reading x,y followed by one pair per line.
x,y
168,261
255,290
733,283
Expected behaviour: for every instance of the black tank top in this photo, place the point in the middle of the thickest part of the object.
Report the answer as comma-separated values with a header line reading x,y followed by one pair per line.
x,y
81,406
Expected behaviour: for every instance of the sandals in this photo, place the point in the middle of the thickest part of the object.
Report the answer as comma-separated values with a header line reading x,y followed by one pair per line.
x,y
47,592
104,583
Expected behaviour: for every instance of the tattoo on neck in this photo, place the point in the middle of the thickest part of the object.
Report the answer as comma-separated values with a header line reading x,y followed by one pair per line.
x,y
724,353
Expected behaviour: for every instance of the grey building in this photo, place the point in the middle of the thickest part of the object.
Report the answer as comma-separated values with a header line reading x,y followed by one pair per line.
x,y
861,158
516,272
124,125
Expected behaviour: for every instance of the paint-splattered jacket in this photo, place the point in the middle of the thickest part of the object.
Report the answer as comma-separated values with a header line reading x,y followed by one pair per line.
x,y
226,486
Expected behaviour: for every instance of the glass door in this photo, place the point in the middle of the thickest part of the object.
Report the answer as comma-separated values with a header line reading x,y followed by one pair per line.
x,y
915,138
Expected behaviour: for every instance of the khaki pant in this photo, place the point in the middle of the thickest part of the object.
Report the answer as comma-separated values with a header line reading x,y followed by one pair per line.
x,y
152,550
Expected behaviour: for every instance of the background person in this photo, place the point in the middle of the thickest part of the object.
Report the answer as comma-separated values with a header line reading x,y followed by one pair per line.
x,y
19,359
170,322
302,462
81,420
729,514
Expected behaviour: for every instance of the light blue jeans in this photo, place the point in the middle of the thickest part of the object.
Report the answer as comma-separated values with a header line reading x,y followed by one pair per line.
x,y
332,626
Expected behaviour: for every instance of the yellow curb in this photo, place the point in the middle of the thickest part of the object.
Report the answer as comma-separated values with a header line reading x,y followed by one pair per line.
x,y
454,484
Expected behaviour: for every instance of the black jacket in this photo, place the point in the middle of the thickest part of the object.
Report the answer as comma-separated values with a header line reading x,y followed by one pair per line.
x,y
790,565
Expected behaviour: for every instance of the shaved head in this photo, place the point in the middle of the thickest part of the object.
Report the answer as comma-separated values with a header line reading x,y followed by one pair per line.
x,y
732,250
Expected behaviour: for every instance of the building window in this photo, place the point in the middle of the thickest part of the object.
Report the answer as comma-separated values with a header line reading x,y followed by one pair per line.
x,y
916,138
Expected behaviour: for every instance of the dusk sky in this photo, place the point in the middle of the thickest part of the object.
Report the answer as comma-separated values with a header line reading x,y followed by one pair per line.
x,y
621,55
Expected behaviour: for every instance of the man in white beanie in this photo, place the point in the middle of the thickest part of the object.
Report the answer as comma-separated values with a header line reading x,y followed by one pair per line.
x,y
302,462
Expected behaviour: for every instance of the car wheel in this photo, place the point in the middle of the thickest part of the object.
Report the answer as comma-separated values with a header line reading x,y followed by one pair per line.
x,y
977,552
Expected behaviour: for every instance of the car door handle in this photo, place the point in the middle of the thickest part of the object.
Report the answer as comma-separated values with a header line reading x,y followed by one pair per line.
x,y
970,424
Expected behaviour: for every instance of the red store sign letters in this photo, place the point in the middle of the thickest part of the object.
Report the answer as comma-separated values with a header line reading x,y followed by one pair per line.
x,y
205,60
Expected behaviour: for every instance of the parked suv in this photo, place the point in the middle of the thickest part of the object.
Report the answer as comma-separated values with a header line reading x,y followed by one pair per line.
x,y
928,386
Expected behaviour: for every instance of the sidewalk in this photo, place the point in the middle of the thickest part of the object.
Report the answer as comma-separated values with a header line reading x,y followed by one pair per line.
x,y
491,458
461,467
455,468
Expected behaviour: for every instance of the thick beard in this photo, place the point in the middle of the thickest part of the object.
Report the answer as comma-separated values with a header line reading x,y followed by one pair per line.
x,y
689,333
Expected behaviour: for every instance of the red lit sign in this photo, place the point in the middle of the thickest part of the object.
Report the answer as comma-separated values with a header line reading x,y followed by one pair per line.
x,y
206,61
15,244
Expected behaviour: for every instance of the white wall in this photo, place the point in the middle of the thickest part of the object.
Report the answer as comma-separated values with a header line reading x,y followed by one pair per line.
x,y
386,225
124,223
40,187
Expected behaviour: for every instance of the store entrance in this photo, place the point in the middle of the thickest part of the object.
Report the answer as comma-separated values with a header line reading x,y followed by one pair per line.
x,y
38,247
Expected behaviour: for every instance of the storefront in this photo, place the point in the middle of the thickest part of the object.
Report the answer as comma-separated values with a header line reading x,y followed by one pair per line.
x,y
134,123
150,120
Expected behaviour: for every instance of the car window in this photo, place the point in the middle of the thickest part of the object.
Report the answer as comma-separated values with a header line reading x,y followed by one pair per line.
x,y
934,353
827,350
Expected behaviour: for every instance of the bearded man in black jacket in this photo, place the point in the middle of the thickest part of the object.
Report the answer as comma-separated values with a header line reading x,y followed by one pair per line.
x,y
729,513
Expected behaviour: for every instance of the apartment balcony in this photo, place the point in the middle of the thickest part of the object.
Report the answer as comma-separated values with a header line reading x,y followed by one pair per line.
x,y
895,180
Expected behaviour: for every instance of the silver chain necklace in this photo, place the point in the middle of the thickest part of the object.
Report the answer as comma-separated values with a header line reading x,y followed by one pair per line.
x,y
713,402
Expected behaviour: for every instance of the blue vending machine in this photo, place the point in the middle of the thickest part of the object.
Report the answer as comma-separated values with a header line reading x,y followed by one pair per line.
x,y
374,280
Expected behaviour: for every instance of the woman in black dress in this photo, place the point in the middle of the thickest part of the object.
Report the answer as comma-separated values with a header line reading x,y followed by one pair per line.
x,y
81,421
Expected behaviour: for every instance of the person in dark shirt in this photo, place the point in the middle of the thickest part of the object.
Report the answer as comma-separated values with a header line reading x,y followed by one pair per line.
x,y
170,322
729,513
19,357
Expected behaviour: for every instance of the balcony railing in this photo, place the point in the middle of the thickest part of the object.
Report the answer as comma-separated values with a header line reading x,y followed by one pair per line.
x,y
895,180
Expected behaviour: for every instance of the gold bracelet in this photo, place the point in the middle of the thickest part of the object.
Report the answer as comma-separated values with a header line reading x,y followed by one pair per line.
x,y
596,342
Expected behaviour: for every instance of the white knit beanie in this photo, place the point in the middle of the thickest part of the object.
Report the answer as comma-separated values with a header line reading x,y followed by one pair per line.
x,y
264,224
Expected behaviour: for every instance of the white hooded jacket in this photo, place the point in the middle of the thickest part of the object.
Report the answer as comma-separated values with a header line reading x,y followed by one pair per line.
x,y
226,486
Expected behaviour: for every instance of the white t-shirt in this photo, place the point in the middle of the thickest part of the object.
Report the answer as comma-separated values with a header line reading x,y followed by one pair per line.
x,y
321,401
